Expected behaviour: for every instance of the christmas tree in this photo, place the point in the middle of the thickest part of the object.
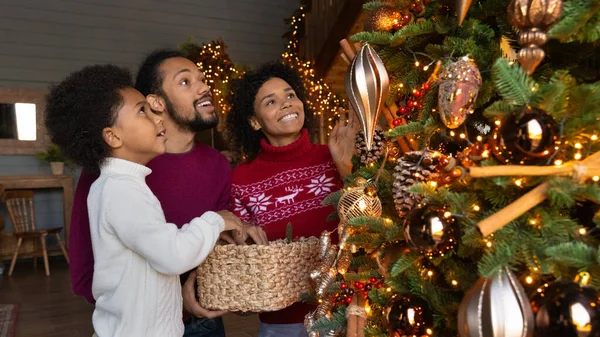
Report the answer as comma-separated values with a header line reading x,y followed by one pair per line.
x,y
475,214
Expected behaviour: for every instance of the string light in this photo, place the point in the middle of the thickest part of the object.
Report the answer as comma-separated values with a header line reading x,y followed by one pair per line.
x,y
454,283
595,178
558,162
529,280
476,208
519,182
594,137
582,231
577,156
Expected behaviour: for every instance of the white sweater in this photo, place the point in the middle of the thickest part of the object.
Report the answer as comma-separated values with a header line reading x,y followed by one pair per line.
x,y
138,255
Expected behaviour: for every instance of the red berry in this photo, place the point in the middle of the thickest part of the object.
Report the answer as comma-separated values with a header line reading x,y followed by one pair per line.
x,y
410,103
403,110
379,285
372,280
343,286
426,86
397,122
365,293
417,93
349,300
360,285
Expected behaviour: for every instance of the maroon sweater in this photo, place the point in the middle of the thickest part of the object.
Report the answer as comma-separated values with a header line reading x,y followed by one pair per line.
x,y
186,184
286,184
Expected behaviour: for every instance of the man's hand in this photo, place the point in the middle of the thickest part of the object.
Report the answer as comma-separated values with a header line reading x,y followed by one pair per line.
x,y
191,305
257,234
232,222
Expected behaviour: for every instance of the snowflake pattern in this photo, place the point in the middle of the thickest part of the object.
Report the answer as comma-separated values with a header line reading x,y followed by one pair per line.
x,y
259,203
320,185
239,208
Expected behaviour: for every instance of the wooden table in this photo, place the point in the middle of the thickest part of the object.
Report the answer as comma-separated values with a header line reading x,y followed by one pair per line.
x,y
65,182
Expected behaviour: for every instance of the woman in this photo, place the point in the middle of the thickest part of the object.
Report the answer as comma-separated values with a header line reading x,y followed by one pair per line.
x,y
284,177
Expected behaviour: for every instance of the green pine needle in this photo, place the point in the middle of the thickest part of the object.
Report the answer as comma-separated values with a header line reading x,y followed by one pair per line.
x,y
513,83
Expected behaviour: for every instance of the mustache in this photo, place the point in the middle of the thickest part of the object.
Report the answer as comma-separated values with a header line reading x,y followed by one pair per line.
x,y
203,97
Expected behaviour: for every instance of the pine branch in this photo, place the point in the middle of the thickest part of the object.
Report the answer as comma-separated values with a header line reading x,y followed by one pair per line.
x,y
576,254
376,38
404,262
512,82
372,5
414,29
492,261
576,15
332,198
365,275
405,130
553,97
561,192
499,109
337,321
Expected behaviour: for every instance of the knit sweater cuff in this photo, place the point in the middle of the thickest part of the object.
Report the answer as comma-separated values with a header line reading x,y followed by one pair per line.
x,y
214,219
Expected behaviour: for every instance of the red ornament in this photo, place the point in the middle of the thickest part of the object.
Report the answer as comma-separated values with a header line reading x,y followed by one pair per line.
x,y
410,103
372,280
426,86
397,122
343,286
360,285
406,18
403,110
349,300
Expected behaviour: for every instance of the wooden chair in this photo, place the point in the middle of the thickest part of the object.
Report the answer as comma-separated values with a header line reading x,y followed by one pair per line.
x,y
20,209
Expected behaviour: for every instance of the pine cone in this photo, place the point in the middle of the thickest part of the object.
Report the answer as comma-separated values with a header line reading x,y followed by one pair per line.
x,y
377,148
412,168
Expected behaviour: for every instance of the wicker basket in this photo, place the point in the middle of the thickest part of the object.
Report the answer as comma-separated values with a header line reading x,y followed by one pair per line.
x,y
257,278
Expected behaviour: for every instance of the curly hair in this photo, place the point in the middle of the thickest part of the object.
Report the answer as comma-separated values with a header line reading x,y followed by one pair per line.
x,y
149,78
80,107
240,134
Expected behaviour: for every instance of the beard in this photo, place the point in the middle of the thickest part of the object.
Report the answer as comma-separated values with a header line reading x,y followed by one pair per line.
x,y
196,124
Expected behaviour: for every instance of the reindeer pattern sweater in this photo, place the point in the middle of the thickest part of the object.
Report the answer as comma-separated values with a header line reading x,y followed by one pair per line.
x,y
282,185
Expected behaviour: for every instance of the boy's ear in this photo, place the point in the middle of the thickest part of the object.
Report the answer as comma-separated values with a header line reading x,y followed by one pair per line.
x,y
156,102
112,138
254,123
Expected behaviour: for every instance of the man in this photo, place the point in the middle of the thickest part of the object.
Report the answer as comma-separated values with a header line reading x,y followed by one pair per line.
x,y
190,179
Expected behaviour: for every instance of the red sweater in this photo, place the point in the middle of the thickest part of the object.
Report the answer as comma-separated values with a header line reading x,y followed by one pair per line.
x,y
286,184
186,184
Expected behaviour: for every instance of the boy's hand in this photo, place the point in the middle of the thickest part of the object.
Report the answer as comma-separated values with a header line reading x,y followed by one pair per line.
x,y
256,233
190,304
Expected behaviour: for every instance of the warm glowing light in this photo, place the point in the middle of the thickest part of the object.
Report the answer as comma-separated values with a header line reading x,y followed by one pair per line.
x,y
577,156
519,182
489,244
476,208
454,283
430,273
578,146
558,162
447,214
594,137
529,280
595,178
389,290
582,231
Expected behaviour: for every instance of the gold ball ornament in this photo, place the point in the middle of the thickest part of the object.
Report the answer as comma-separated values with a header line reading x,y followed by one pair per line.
x,y
532,18
358,202
383,19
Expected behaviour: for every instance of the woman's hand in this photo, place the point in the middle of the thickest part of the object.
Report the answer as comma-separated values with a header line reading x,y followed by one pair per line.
x,y
341,141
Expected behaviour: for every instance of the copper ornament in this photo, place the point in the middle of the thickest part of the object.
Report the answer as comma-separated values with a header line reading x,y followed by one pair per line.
x,y
460,82
462,7
367,86
532,18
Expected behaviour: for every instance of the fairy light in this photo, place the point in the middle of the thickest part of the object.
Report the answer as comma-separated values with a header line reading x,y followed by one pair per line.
x,y
454,283
479,138
519,182
595,178
389,290
430,273
529,280
367,308
476,208
594,137
532,222
558,162
577,156
578,146
582,231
